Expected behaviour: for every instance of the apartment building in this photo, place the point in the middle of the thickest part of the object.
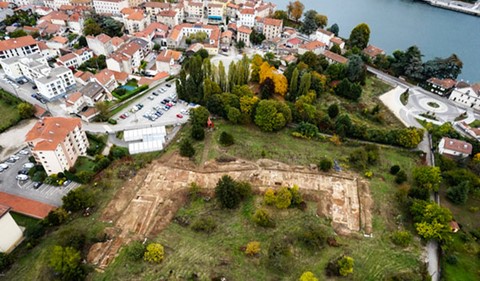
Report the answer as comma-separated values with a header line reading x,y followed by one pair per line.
x,y
134,20
243,34
169,18
110,7
186,29
18,47
75,59
57,142
272,28
128,57
56,83
466,95
100,44
193,11
247,17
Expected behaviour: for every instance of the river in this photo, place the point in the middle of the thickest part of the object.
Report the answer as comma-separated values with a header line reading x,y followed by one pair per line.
x,y
398,24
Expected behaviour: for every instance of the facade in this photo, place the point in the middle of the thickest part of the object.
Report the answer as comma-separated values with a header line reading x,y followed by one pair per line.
x,y
441,86
167,59
272,28
186,29
243,34
247,17
128,57
454,148
18,47
75,59
316,47
169,18
110,7
100,44
323,36
134,19
56,83
57,142
11,234
467,95
473,132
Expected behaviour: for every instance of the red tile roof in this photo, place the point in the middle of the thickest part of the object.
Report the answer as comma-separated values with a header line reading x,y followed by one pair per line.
x,y
457,145
275,22
3,209
51,131
335,57
444,83
313,45
26,206
247,11
372,51
244,29
17,43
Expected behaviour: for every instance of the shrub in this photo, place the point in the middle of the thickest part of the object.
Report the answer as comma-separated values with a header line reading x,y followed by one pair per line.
x,y
227,193
279,255
401,177
308,276
135,251
226,139
78,199
394,169
56,217
269,197
345,265
204,224
283,198
314,236
333,111
198,133
253,248
325,165
459,194
401,238
263,218
85,176
368,174
186,148
244,189
72,237
154,253
296,196
451,259
103,163
117,152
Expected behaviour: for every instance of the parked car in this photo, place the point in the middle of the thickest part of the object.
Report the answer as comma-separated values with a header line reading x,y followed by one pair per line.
x,y
22,177
151,97
4,166
34,87
28,165
24,152
22,172
14,157
67,182
155,93
179,115
1,170
11,160
184,111
168,85
36,184
166,107
122,116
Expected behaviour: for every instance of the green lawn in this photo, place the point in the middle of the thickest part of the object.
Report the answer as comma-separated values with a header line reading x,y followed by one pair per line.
x,y
84,164
10,115
23,220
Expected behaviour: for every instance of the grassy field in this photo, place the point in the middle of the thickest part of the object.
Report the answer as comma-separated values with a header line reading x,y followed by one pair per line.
x,y
10,115
23,220
84,164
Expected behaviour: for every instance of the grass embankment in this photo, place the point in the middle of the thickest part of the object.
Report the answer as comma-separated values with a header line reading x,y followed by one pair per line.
x,y
219,253
8,108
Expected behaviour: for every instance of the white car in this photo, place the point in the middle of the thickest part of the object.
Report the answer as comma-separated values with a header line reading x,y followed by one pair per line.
x,y
4,166
151,97
23,152
28,165
14,157
22,177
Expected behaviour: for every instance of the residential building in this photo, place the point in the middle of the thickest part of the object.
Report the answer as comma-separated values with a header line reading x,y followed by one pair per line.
x,y
265,9
372,51
334,58
441,87
226,38
129,56
18,47
272,28
337,41
57,142
186,29
467,95
193,11
167,59
473,132
56,83
58,42
86,97
243,34
107,79
454,148
153,8
316,47
75,59
294,43
109,7
134,19
247,17
100,44
11,234
169,18
323,36
216,13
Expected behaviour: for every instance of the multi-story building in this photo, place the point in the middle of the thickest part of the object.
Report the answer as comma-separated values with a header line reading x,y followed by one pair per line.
x,y
57,142
167,59
100,44
467,95
216,12
272,28
76,58
243,34
186,29
56,83
129,56
111,7
247,17
193,11
169,18
18,47
134,20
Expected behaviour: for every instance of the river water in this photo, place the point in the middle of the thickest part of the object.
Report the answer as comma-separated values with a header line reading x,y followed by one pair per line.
x,y
399,24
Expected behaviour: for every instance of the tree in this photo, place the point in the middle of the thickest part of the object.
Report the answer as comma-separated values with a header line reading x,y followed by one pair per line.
x,y
240,44
321,20
348,90
199,116
343,125
156,47
5,261
186,148
359,36
280,15
307,130
394,169
103,110
78,199
283,198
356,69
333,111
308,276
226,139
267,88
295,10
91,27
17,33
401,177
65,261
269,197
227,193
449,67
263,218
305,83
198,132
257,61
427,177
325,164
431,220
409,137
135,251
459,194
82,41
26,110
334,29
154,253
272,115
345,265
253,248
256,38
293,85
309,24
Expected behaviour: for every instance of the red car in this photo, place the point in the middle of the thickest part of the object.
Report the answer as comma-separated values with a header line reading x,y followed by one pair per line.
x,y
179,115
123,116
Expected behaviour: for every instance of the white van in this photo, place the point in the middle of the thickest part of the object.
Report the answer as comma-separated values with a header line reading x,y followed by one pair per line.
x,y
22,177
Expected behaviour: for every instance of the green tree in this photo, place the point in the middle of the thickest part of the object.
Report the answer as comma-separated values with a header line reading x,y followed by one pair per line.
x,y
226,139
459,194
135,251
409,137
267,88
305,83
233,114
154,253
431,220
334,29
325,165
293,85
427,177
321,20
186,148
199,116
343,125
333,111
91,27
17,33
227,193
26,110
272,115
283,198
348,90
65,261
345,265
308,276
359,36
198,132
78,199
256,38
356,69
103,110
309,24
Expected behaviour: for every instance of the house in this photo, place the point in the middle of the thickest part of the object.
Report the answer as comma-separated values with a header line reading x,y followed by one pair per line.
x,y
334,58
473,132
323,36
46,52
226,38
372,51
247,17
337,41
193,11
128,57
74,103
18,47
441,87
454,148
57,142
100,44
109,7
134,19
83,78
169,18
11,234
243,34
57,42
75,59
153,8
155,32
272,28
107,79
167,59
293,43
466,95
315,47
186,29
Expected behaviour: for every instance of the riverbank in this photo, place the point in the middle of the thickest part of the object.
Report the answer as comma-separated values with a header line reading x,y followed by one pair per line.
x,y
458,6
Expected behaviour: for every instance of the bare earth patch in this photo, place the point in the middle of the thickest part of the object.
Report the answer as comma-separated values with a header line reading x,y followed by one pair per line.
x,y
149,201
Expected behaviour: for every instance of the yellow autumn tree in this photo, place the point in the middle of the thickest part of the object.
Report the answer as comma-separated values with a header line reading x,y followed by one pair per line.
x,y
476,158
266,71
281,84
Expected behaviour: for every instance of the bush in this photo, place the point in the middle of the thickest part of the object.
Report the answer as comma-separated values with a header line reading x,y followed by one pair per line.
x,y
186,148
263,218
308,276
198,133
204,224
459,194
56,217
5,261
401,177
227,192
85,176
72,237
279,255
78,199
296,196
314,236
451,259
402,238
117,152
226,139
269,197
283,198
244,189
325,165
253,248
135,251
154,253
333,111
345,265
394,169
103,163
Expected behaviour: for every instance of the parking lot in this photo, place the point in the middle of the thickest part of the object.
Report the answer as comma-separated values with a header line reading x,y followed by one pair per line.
x,y
48,194
153,111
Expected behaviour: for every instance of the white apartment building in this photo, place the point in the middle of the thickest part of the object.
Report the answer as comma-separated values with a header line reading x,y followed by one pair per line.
x,y
31,67
56,83
75,59
100,44
11,234
243,34
128,57
247,17
216,12
193,11
272,28
467,95
134,20
169,18
112,7
57,142
186,29
18,47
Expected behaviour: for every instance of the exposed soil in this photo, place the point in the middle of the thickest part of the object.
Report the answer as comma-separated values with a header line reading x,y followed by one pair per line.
x,y
148,202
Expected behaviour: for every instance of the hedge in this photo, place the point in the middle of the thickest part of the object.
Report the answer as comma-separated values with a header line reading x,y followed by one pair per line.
x,y
130,94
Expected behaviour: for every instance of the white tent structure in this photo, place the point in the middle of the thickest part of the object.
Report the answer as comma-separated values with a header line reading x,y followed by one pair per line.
x,y
139,134
146,139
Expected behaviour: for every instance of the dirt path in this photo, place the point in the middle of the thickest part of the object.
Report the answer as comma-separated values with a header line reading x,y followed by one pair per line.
x,y
14,138
206,149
